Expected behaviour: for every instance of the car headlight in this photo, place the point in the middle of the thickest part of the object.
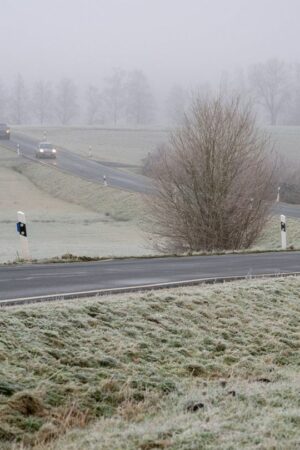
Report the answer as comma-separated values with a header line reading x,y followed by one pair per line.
x,y
41,150
53,150
7,131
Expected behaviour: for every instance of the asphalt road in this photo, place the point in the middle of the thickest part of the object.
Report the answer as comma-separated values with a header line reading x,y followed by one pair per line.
x,y
287,209
70,162
78,279
83,167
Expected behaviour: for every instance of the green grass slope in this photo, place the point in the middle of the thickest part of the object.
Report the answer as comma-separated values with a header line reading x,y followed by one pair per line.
x,y
195,368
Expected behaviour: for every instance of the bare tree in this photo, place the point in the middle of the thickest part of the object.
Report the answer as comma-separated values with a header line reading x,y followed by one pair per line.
x,y
213,180
140,101
94,105
114,95
293,116
42,101
18,101
269,84
66,101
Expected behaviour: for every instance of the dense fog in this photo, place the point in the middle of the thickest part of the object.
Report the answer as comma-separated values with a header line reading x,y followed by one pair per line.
x,y
136,62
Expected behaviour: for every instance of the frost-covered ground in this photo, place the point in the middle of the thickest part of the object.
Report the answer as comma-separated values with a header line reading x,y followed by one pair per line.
x,y
68,215
116,145
65,214
131,146
213,367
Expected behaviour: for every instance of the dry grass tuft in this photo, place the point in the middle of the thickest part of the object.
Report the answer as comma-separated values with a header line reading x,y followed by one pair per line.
x,y
26,403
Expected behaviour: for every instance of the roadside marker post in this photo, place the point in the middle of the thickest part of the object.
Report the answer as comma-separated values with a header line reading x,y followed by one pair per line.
x,y
283,231
22,230
104,180
90,151
278,195
18,149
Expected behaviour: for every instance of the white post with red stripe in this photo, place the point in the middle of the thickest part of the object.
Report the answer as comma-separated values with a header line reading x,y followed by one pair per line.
x,y
278,195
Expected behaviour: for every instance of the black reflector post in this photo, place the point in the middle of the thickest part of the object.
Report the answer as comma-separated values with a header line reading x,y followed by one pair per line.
x,y
283,231
21,227
22,230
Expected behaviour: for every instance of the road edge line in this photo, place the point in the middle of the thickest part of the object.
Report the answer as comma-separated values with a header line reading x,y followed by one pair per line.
x,y
139,288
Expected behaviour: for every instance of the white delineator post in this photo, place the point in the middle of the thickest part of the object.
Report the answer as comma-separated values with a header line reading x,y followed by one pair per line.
x,y
283,231
18,149
22,230
104,180
90,151
278,194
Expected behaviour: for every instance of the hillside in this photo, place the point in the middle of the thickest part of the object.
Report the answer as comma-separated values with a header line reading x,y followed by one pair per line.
x,y
123,146
130,146
65,214
201,367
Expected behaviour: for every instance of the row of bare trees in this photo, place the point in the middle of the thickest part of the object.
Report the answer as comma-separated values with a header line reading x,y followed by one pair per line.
x,y
125,98
273,86
41,104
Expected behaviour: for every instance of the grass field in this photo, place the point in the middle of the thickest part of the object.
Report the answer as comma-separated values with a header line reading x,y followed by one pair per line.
x,y
287,141
68,215
185,369
65,214
271,236
131,146
116,145
213,367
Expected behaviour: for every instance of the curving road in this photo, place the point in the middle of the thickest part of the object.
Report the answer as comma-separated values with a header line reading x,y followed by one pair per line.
x,y
40,282
287,209
94,171
70,162
46,281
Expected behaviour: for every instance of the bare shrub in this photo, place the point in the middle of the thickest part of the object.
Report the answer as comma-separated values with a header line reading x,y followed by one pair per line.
x,y
214,180
150,161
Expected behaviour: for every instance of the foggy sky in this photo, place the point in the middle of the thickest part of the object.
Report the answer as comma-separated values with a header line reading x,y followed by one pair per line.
x,y
172,41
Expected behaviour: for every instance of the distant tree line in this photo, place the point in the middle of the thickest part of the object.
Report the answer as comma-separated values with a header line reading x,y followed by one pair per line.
x,y
273,86
127,99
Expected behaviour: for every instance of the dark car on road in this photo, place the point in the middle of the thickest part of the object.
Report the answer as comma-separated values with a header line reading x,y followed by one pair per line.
x,y
45,150
4,131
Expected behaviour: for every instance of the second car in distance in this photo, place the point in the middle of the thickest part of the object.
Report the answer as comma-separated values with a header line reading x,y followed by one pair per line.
x,y
45,150
4,131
